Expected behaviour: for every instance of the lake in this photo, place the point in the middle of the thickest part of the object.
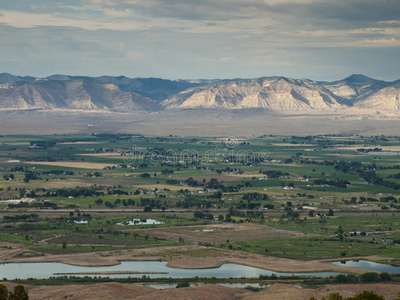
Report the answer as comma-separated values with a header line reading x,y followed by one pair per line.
x,y
47,269
161,286
368,265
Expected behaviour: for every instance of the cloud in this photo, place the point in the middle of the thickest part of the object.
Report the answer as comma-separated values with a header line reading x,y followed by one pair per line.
x,y
29,20
221,59
377,43
227,38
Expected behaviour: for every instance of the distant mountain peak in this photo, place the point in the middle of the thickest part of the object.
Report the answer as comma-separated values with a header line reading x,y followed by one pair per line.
x,y
121,93
9,78
359,78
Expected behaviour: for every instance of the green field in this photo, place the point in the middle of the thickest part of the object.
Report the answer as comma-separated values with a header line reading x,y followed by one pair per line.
x,y
337,195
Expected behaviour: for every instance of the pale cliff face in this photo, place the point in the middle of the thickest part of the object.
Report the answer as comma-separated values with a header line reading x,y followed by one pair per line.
x,y
386,98
273,94
76,94
267,93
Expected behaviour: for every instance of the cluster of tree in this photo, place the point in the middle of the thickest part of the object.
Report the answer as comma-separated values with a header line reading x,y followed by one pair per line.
x,y
215,195
388,199
58,172
363,278
290,213
350,167
19,293
202,215
75,192
336,182
193,202
369,150
372,177
95,174
245,159
395,176
117,136
167,171
35,226
233,188
117,192
247,205
43,144
254,196
316,163
213,183
249,214
9,177
124,202
45,204
22,218
30,175
145,175
173,182
18,169
227,169
172,165
364,199
274,174
192,182
150,204
182,285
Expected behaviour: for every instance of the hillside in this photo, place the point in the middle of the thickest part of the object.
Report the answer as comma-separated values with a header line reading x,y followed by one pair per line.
x,y
276,93
76,94
121,93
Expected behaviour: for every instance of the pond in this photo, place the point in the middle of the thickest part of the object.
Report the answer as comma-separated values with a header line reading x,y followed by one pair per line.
x,y
368,265
148,268
161,286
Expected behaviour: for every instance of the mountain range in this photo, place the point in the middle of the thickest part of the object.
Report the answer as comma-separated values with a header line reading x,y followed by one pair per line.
x,y
154,94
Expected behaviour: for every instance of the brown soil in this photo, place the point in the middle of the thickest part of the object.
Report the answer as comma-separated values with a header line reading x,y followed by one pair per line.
x,y
290,292
78,143
107,154
221,233
293,145
114,290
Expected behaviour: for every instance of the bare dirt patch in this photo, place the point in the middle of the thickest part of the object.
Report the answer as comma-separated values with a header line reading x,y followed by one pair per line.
x,y
71,164
110,290
107,154
290,292
52,183
113,290
220,233
78,143
293,145
217,123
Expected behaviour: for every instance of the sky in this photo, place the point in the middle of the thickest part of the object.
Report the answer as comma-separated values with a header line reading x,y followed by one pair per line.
x,y
192,39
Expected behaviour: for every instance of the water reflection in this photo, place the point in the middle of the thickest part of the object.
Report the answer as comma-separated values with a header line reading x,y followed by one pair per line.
x,y
368,265
47,269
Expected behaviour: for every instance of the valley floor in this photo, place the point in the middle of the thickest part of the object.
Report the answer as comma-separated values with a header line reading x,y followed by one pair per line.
x,y
200,122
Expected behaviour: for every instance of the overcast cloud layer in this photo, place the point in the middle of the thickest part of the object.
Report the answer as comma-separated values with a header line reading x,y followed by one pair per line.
x,y
317,39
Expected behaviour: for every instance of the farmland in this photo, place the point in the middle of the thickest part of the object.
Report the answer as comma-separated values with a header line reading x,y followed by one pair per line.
x,y
268,201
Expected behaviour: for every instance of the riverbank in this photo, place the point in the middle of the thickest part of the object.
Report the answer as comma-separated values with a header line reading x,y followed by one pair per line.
x,y
189,257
